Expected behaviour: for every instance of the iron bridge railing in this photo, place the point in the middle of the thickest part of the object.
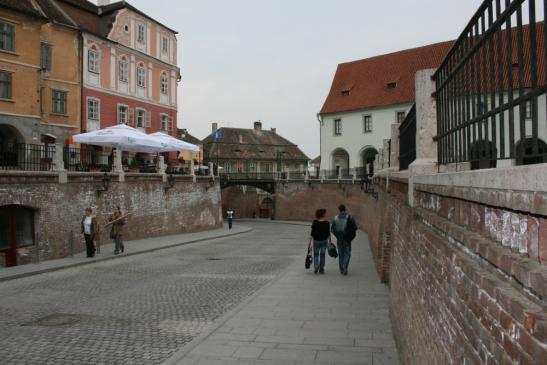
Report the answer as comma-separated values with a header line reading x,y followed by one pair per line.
x,y
490,88
407,139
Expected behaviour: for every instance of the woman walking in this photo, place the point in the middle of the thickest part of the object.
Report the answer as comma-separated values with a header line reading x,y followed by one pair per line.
x,y
320,235
89,229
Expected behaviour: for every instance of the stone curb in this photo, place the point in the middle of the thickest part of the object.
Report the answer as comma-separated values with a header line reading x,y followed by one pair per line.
x,y
180,354
102,259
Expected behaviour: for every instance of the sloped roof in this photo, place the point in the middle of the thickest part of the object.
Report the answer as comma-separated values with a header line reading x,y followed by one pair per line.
x,y
316,160
187,137
365,82
251,144
26,7
54,12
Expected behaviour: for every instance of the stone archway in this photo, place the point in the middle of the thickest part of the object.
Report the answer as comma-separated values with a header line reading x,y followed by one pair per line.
x,y
368,156
340,161
10,137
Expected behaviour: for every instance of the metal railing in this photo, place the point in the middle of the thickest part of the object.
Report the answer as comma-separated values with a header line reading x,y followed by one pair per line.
x,y
175,167
490,88
27,157
238,176
407,139
86,159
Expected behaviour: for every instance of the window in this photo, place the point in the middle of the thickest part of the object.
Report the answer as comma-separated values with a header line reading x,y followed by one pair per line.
x,y
123,70
391,85
367,124
45,56
7,37
92,109
338,127
59,101
164,122
5,85
123,112
141,118
141,76
163,84
93,61
345,92
140,33
528,110
401,117
164,45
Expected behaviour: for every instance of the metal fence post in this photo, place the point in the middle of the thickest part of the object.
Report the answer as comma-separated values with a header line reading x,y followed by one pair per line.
x,y
71,243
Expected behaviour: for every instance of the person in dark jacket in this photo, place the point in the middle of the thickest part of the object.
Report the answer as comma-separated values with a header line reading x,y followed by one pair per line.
x,y
339,229
89,229
116,232
320,235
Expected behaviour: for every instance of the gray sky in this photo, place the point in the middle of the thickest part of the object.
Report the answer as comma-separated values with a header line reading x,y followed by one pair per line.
x,y
247,60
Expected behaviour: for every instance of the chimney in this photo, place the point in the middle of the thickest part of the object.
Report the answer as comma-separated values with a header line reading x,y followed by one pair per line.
x,y
215,127
103,2
258,126
274,130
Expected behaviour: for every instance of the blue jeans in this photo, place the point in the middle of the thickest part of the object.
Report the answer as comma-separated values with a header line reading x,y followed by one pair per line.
x,y
344,253
319,249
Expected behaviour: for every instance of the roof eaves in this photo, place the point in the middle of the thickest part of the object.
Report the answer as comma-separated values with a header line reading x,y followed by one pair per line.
x,y
107,9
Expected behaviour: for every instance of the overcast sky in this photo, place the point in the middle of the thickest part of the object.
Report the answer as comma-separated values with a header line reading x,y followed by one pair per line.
x,y
274,60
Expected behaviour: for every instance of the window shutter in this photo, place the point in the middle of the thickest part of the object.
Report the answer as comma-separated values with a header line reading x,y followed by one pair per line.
x,y
118,113
131,117
148,122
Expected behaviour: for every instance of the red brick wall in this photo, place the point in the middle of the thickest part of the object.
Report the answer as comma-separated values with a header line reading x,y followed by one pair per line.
x,y
245,205
109,110
187,207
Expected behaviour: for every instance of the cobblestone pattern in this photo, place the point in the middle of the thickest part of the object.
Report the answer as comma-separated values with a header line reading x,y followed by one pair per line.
x,y
141,309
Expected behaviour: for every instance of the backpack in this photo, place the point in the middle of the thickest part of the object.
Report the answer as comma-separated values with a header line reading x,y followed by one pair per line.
x,y
350,230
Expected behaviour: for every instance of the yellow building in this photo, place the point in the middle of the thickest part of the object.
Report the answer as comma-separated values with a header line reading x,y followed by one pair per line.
x,y
40,88
187,156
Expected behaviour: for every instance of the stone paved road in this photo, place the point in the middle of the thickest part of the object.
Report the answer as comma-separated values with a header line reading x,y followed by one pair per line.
x,y
139,309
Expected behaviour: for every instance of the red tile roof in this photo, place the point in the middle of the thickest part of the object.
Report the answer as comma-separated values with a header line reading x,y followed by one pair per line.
x,y
367,80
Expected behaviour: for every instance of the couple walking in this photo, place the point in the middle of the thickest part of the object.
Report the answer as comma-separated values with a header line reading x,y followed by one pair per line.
x,y
90,230
343,227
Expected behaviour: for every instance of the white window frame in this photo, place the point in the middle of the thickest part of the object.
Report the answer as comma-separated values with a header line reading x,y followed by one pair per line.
x,y
93,112
123,70
338,127
164,118
93,61
164,45
137,112
141,77
366,128
125,119
164,84
397,116
140,39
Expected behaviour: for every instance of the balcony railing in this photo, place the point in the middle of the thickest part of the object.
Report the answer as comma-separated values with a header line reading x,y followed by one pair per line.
x,y
490,89
86,159
27,157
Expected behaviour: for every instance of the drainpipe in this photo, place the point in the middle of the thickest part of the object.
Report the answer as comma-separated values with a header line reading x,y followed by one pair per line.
x,y
318,116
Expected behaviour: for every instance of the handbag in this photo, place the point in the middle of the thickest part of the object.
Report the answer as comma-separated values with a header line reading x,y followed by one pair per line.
x,y
309,259
333,252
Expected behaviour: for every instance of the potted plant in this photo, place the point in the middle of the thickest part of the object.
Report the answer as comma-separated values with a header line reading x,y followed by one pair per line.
x,y
134,165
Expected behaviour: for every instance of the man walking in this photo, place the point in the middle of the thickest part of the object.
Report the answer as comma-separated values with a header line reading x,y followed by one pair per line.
x,y
230,216
344,229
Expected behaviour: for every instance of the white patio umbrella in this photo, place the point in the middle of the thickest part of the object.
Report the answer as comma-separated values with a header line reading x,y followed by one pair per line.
x,y
123,138
173,143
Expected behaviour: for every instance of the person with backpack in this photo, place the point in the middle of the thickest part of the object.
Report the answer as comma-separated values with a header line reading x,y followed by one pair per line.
x,y
344,229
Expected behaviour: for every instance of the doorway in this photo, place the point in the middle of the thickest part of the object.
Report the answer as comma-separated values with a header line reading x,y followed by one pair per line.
x,y
16,231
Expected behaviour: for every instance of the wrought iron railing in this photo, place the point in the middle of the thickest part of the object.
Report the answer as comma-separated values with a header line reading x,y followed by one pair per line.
x,y
238,176
86,159
490,89
27,157
407,139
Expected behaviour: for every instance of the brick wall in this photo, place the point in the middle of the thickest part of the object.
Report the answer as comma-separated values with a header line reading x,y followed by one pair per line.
x,y
245,204
187,207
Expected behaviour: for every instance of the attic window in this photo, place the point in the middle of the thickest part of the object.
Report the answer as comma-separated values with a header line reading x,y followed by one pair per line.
x,y
126,28
392,85
237,150
345,92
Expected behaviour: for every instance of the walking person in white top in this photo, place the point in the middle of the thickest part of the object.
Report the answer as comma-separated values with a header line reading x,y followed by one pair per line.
x,y
230,216
89,229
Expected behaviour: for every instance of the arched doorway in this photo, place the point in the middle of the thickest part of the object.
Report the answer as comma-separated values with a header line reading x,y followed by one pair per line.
x,y
266,208
340,161
16,231
483,155
368,156
10,138
525,151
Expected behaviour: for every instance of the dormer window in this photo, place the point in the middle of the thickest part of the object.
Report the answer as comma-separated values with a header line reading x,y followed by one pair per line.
x,y
392,85
345,92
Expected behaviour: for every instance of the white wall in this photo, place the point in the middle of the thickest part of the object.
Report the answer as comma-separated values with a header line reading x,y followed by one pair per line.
x,y
353,138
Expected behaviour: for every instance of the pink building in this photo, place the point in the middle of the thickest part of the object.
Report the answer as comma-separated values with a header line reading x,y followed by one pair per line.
x,y
130,71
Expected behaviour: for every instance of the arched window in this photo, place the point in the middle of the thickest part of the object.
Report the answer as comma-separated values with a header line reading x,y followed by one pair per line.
x,y
164,85
123,70
93,59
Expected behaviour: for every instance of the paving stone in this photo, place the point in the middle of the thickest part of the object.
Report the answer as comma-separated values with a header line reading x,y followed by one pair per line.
x,y
288,355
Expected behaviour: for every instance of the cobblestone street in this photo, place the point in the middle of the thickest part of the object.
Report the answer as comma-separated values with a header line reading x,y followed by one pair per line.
x,y
143,309
140,309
